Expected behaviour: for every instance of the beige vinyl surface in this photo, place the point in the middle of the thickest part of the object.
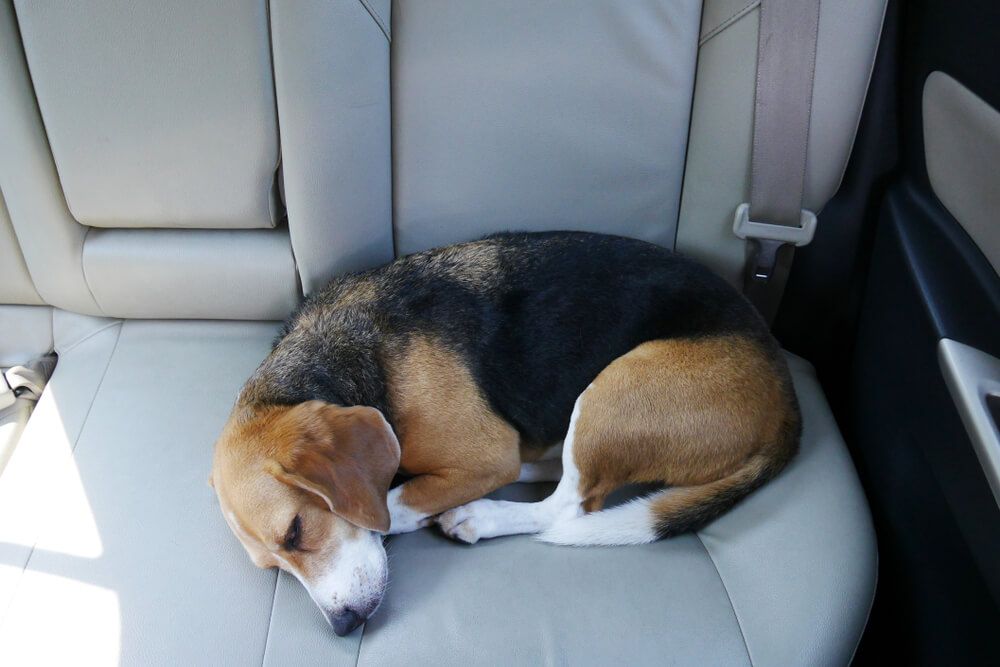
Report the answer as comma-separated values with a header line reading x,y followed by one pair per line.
x,y
962,149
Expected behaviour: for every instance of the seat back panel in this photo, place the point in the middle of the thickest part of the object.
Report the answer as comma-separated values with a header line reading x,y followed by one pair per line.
x,y
159,114
531,116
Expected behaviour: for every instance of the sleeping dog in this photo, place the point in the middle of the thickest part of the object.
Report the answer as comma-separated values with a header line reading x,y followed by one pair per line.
x,y
472,366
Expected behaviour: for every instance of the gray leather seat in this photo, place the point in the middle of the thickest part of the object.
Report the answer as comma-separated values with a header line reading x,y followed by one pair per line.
x,y
158,282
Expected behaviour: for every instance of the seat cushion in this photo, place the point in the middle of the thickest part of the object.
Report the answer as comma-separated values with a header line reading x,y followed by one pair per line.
x,y
111,542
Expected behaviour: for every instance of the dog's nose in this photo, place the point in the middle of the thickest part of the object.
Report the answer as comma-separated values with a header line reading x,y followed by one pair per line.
x,y
344,622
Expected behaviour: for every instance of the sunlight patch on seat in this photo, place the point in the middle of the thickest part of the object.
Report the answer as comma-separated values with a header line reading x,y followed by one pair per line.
x,y
55,620
42,496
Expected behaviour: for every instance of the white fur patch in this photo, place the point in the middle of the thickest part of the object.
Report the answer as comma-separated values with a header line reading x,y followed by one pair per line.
x,y
402,517
630,523
356,578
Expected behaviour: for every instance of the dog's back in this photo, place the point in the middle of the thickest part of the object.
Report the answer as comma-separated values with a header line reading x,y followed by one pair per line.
x,y
480,355
535,316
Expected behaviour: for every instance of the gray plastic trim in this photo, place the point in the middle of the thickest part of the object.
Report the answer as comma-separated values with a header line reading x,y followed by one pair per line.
x,y
972,376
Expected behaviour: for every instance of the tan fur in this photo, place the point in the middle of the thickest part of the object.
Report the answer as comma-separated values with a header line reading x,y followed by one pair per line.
x,y
363,291
684,412
330,465
451,439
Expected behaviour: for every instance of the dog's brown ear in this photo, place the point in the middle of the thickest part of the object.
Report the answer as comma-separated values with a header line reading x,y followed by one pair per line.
x,y
346,456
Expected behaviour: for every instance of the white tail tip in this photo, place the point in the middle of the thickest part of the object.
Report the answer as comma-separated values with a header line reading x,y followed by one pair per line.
x,y
630,523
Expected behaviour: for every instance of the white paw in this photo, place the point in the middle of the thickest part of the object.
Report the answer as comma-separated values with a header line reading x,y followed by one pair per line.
x,y
408,525
466,523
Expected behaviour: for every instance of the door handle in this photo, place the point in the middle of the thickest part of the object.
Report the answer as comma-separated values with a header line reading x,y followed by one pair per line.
x,y
973,378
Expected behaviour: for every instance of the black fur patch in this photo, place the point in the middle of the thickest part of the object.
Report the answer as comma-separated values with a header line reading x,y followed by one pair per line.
x,y
536,316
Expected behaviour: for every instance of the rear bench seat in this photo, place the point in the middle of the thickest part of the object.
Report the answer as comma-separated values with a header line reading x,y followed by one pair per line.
x,y
139,162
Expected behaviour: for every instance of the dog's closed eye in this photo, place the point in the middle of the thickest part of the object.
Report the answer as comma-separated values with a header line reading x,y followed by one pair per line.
x,y
294,534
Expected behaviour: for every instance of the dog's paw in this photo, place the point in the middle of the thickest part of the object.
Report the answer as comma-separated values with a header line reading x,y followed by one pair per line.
x,y
465,523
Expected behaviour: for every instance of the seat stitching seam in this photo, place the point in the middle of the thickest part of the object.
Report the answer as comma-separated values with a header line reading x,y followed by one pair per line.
x,y
871,604
270,618
100,383
83,270
83,340
729,21
49,156
864,98
722,580
687,144
271,209
377,18
357,655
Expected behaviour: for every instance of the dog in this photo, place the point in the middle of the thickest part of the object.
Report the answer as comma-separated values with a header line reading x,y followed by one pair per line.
x,y
472,366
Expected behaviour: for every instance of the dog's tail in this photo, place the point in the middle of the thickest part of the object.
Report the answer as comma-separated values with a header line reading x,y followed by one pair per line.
x,y
668,512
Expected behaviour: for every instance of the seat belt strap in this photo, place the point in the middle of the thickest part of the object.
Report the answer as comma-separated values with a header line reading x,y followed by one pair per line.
x,y
774,221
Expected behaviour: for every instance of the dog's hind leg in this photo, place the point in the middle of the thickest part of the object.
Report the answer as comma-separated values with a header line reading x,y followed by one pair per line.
x,y
713,418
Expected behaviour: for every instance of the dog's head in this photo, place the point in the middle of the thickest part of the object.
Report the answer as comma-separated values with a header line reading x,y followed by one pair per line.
x,y
304,489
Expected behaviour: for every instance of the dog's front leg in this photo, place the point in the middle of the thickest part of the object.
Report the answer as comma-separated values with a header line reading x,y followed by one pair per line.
x,y
402,517
416,502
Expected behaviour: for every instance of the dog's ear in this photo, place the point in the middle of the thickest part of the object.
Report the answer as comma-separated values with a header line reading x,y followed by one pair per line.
x,y
345,456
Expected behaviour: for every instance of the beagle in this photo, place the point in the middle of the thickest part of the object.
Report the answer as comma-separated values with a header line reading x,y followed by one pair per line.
x,y
469,367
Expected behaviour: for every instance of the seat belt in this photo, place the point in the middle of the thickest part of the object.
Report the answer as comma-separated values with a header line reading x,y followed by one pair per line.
x,y
20,382
773,221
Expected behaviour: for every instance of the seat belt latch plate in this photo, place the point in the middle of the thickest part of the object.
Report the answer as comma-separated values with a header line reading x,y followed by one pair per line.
x,y
745,228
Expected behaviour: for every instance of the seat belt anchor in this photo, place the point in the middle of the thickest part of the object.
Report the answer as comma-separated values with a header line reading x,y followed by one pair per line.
x,y
770,237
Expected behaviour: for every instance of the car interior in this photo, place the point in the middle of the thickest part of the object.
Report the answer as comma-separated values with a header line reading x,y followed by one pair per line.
x,y
177,176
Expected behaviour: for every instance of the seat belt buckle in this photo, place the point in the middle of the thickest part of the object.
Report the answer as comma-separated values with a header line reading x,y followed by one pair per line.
x,y
7,395
769,238
745,228
17,382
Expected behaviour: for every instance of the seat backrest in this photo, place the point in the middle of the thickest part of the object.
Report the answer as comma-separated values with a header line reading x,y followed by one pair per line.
x,y
15,282
150,130
630,118
25,323
147,155
540,115
717,173
139,151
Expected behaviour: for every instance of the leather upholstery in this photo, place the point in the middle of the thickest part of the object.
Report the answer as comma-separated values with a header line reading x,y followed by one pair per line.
x,y
124,550
203,273
504,115
536,169
540,115
124,547
51,240
335,137
25,333
78,268
962,149
152,119
15,282
717,174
